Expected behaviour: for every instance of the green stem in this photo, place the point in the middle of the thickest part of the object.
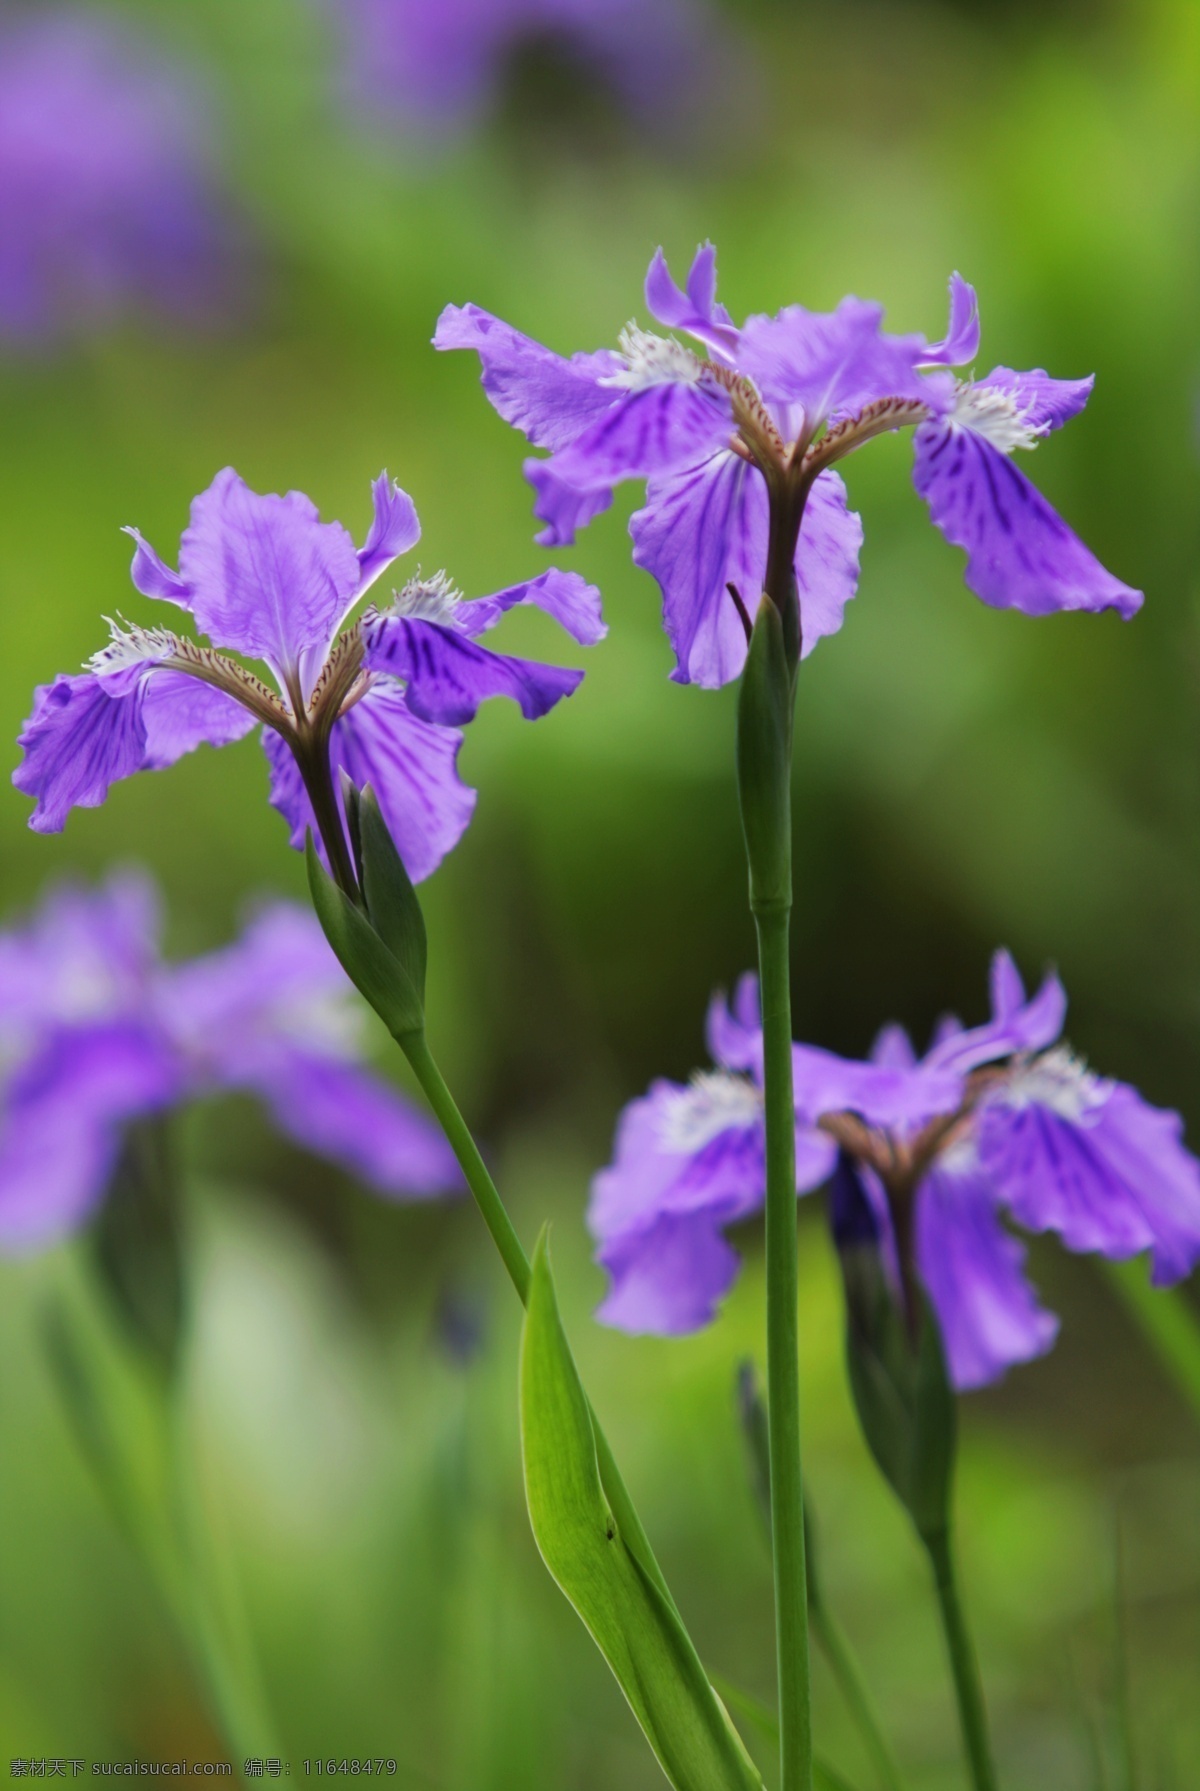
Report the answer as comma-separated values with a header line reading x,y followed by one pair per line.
x,y
1166,1320
783,1354
843,1664
968,1687
316,772
512,1254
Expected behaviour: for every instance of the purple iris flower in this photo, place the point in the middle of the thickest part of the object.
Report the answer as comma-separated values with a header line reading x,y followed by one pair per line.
x,y
96,1031
106,190
380,698
435,65
744,437
998,1118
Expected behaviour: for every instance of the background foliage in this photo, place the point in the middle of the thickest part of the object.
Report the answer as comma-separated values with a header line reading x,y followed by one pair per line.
x,y
964,778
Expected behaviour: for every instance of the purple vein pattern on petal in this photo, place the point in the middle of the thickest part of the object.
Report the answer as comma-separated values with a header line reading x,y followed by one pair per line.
x,y
61,1131
1043,403
1097,1164
562,507
179,714
701,530
552,400
447,676
565,596
268,578
826,560
832,362
85,733
658,429
409,763
973,1271
1020,552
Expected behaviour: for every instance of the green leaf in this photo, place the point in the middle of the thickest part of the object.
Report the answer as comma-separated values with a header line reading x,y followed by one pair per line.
x,y
764,756
392,903
1167,1320
631,1622
378,976
350,804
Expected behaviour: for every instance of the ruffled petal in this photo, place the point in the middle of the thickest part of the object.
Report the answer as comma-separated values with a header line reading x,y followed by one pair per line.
x,y
568,598
831,536
832,363
1020,552
883,1094
961,342
267,577
1016,1024
700,531
84,956
1095,1163
668,1280
278,981
733,1030
153,577
409,763
85,734
654,430
357,1120
447,675
61,1129
1042,403
706,528
682,1148
973,1271
179,713
562,508
550,399
395,529
695,310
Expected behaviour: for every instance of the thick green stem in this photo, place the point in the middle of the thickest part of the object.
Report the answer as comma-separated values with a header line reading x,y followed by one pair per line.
x,y
512,1254
315,769
968,1687
843,1664
783,1358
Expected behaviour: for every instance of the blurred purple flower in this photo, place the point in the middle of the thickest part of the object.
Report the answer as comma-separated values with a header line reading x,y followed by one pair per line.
x,y
379,699
97,1031
771,407
106,191
435,66
997,1118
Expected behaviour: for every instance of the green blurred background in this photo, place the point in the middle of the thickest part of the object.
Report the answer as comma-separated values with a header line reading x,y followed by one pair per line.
x,y
964,778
